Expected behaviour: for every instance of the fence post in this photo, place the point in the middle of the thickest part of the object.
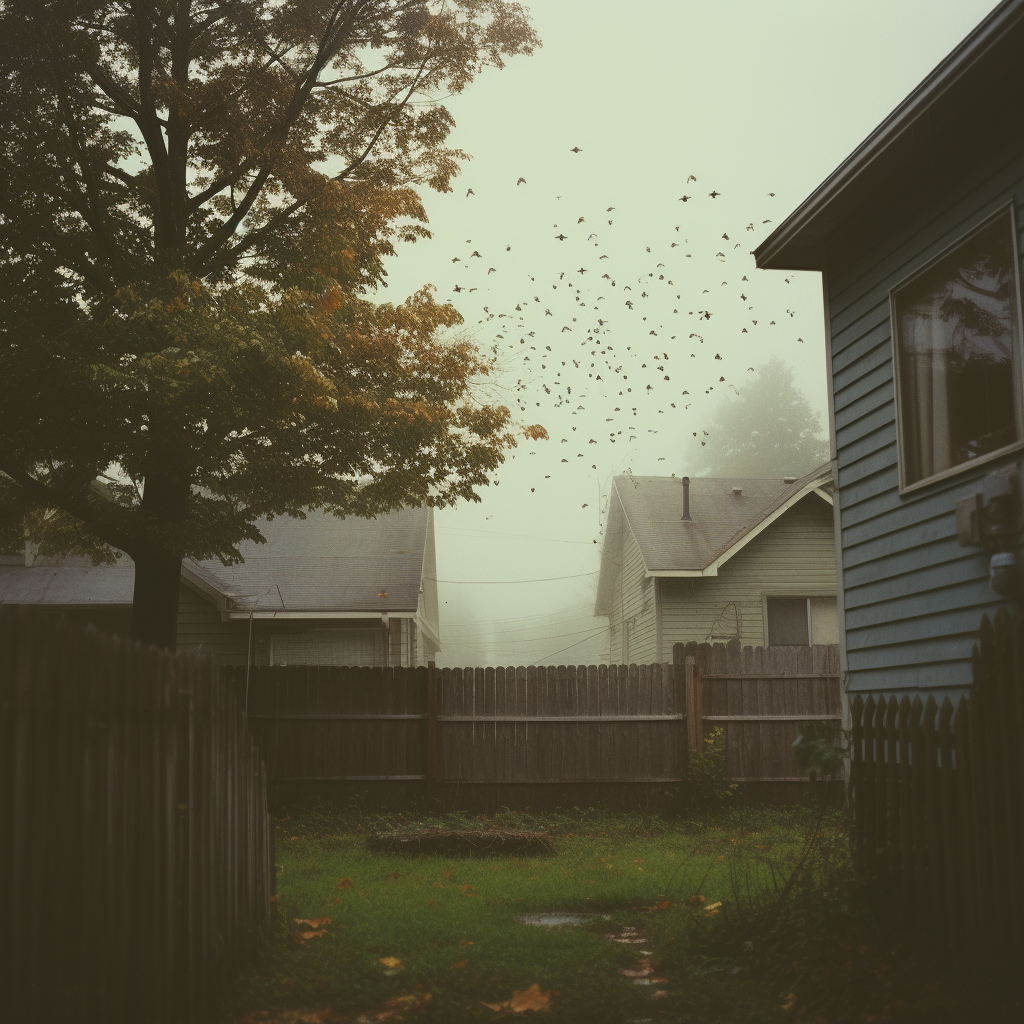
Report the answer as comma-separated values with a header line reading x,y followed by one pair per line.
x,y
432,711
694,711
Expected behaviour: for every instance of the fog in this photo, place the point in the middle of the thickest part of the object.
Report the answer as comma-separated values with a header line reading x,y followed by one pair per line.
x,y
743,107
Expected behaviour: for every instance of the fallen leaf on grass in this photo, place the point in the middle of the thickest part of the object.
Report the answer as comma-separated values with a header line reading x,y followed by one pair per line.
x,y
465,942
529,999
461,963
695,901
390,961
642,970
316,922
393,875
790,1002
306,936
713,908
345,883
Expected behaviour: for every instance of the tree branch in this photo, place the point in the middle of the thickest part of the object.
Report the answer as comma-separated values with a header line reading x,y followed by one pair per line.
x,y
43,496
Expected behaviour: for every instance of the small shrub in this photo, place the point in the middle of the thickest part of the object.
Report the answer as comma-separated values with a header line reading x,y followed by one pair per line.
x,y
709,786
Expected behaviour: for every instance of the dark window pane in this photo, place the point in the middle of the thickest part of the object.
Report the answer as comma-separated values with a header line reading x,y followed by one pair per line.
x,y
787,621
956,330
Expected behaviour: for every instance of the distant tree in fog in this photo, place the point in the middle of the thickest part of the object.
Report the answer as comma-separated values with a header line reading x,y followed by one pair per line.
x,y
768,429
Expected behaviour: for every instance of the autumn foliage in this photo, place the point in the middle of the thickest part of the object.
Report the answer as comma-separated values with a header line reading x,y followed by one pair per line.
x,y
199,199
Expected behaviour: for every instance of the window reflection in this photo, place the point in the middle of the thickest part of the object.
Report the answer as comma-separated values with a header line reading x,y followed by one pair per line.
x,y
956,330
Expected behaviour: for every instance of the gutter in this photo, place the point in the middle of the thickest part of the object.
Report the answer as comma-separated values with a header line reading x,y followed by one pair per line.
x,y
937,84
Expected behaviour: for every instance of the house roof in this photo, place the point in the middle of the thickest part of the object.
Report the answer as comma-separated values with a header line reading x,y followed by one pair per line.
x,y
957,114
722,521
317,564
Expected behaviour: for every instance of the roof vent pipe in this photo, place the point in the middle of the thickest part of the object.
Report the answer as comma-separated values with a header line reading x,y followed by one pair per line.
x,y
737,490
686,500
789,479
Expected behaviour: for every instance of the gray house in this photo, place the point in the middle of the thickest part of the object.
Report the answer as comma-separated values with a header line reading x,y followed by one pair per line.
x,y
320,591
714,560
917,238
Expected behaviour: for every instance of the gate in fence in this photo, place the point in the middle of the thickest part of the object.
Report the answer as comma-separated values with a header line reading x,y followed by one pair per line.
x,y
487,738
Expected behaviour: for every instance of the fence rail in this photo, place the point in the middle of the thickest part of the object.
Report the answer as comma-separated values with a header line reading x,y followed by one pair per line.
x,y
938,799
483,738
136,855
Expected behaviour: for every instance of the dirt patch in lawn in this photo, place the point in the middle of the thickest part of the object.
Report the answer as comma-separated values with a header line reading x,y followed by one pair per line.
x,y
468,843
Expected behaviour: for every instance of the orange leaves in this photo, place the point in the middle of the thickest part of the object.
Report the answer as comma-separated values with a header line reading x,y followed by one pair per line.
x,y
315,928
345,883
535,432
531,998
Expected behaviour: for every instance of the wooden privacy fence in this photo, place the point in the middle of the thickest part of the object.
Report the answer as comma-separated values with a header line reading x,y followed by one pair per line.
x,y
938,801
136,854
759,696
486,738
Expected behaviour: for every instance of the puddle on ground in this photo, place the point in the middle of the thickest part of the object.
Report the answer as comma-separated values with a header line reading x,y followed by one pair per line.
x,y
552,920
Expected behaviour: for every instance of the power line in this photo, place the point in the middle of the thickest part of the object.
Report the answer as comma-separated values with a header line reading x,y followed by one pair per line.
x,y
548,657
498,533
471,642
546,579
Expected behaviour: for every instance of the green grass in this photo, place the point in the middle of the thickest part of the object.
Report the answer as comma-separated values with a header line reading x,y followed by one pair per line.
x,y
452,922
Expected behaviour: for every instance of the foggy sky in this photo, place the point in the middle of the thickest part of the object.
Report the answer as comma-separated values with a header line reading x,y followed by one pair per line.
x,y
750,97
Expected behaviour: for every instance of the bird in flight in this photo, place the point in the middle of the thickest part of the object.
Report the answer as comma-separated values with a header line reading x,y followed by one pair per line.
x,y
561,238
575,149
714,195
683,199
521,181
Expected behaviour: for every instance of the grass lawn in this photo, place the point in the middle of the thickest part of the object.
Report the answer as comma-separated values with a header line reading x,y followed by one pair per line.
x,y
389,938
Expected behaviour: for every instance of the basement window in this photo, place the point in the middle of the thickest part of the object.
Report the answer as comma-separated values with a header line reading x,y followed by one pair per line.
x,y
956,338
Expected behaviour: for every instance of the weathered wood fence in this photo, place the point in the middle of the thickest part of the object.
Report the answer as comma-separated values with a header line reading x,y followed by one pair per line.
x,y
486,738
937,794
136,854
759,696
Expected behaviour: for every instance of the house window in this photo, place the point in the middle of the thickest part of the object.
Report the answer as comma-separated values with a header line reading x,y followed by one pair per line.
x,y
800,621
957,344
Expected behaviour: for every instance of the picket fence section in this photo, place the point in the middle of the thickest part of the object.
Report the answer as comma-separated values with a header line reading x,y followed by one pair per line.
x,y
136,854
938,799
486,738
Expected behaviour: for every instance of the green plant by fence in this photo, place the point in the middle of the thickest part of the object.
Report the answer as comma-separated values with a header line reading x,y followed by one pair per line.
x,y
938,799
136,854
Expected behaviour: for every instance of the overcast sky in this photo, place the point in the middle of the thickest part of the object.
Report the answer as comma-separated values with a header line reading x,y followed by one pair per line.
x,y
664,99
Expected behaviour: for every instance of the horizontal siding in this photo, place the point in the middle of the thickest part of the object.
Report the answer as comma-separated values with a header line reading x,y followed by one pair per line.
x,y
200,629
913,598
794,556
633,610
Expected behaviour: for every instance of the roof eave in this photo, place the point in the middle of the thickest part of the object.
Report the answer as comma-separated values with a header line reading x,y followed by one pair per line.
x,y
794,244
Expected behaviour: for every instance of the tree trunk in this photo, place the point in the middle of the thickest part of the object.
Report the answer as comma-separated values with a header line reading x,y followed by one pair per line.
x,y
158,559
155,603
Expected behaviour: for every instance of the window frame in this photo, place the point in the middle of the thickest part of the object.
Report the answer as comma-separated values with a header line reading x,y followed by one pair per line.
x,y
1017,352
803,595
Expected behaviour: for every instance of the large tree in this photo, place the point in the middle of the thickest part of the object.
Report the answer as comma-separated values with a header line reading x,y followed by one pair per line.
x,y
767,430
198,199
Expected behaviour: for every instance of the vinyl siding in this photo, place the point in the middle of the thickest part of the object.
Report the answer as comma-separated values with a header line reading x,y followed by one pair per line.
x,y
201,630
795,556
633,615
913,598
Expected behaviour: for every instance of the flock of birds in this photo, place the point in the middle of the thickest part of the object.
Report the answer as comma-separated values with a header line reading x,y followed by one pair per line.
x,y
597,352
600,340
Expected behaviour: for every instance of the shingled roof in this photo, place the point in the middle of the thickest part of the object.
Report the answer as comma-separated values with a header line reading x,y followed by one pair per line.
x,y
317,564
722,520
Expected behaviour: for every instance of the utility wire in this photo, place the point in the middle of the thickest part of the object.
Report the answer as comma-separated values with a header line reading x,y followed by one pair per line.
x,y
546,579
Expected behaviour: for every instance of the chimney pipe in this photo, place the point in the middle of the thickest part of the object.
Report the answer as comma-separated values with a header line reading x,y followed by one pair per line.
x,y
686,500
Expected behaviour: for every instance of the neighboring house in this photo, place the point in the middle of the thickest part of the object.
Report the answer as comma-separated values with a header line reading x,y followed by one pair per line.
x,y
320,591
917,236
714,560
